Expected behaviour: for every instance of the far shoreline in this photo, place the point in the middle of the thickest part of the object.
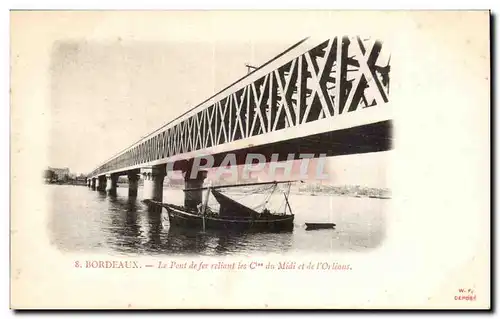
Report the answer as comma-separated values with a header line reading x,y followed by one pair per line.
x,y
354,191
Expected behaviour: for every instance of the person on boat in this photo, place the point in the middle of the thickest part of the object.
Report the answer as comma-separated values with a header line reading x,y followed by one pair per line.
x,y
266,212
202,209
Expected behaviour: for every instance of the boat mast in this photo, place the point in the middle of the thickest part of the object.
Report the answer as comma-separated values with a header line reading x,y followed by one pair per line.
x,y
205,206
287,203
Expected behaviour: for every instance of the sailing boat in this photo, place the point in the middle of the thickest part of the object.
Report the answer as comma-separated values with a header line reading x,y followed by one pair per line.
x,y
232,216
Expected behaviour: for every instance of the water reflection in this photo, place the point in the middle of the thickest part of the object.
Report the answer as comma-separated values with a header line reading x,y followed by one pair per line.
x,y
123,224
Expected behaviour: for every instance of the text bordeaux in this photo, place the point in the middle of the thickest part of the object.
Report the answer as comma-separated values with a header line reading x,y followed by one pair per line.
x,y
111,264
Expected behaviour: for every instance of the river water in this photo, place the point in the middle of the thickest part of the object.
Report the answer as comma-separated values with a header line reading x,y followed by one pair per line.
x,y
89,221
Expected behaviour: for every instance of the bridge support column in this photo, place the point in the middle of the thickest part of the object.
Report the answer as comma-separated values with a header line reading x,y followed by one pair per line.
x,y
93,183
133,184
111,183
193,198
153,182
101,183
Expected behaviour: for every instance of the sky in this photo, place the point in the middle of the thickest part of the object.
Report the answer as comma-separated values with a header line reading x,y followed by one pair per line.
x,y
107,94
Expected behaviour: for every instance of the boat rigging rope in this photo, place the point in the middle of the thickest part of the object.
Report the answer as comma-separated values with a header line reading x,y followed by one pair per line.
x,y
283,202
267,199
258,190
272,187
281,205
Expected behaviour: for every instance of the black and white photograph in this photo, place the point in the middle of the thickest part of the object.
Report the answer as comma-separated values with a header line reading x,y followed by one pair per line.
x,y
296,142
210,159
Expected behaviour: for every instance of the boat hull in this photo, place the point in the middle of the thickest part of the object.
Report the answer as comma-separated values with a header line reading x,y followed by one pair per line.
x,y
274,223
313,226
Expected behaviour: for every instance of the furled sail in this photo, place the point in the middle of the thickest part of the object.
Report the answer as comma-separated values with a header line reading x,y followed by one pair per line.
x,y
229,207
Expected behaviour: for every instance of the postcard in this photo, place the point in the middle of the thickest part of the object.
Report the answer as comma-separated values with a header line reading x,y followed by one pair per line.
x,y
250,160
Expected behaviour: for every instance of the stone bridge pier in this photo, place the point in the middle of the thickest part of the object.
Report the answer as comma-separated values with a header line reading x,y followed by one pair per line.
x,y
111,183
101,183
133,182
195,197
153,177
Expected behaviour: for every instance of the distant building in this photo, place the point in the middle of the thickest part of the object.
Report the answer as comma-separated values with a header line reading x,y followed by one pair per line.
x,y
61,173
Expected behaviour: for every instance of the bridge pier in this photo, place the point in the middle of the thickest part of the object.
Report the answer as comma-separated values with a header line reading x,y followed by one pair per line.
x,y
111,183
153,182
93,183
101,183
193,198
133,183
